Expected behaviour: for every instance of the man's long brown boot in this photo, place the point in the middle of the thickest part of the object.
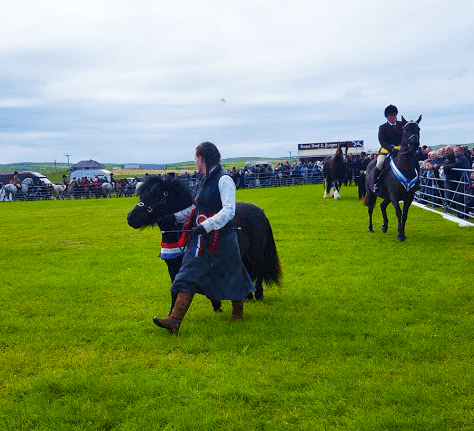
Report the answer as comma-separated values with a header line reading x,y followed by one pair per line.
x,y
237,311
172,322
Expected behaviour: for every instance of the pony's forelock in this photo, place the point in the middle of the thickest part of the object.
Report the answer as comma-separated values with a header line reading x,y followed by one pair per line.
x,y
149,184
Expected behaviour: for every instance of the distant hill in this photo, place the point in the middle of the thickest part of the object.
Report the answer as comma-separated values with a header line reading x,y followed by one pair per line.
x,y
40,166
32,166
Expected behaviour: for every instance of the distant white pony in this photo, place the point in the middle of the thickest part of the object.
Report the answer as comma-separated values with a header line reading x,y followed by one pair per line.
x,y
108,189
58,190
137,186
9,191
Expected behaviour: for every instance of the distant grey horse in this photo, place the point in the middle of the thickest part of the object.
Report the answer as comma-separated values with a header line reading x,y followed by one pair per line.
x,y
9,191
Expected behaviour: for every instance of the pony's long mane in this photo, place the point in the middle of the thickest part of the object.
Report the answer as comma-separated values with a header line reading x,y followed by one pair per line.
x,y
153,182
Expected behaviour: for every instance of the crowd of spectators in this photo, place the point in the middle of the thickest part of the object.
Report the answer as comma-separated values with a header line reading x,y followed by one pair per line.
x,y
284,173
447,178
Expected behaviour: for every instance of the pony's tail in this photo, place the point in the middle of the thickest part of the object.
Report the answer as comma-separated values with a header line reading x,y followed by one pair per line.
x,y
271,270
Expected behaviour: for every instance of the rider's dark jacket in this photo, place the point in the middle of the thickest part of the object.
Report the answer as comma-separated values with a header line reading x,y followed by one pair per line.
x,y
390,135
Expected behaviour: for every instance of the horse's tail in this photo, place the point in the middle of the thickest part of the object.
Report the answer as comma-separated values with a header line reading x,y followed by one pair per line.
x,y
271,269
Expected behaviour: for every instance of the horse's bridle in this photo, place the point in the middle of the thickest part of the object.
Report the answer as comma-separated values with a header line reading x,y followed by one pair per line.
x,y
152,209
409,144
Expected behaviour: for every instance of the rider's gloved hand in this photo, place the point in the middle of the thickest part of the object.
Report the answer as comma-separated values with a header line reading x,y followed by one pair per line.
x,y
199,230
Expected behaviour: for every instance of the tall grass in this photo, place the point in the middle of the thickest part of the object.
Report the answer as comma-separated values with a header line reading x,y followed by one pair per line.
x,y
365,333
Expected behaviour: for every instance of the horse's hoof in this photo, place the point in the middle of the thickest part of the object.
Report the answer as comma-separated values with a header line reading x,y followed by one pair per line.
x,y
401,238
384,229
371,231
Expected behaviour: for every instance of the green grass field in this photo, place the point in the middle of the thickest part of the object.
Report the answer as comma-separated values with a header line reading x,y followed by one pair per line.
x,y
365,333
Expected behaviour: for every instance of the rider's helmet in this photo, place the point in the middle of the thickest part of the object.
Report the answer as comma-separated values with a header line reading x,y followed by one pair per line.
x,y
390,109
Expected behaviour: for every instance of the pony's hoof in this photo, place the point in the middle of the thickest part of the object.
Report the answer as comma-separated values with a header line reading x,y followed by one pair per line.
x,y
216,306
401,238
384,229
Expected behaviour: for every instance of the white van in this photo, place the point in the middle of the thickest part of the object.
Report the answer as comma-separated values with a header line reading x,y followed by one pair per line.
x,y
90,174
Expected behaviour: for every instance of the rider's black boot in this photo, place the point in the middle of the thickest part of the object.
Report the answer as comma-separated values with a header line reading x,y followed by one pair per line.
x,y
376,187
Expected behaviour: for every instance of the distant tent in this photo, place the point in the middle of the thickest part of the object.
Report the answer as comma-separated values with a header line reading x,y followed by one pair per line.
x,y
87,164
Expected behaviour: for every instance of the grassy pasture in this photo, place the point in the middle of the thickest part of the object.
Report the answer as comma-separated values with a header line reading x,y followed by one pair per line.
x,y
365,333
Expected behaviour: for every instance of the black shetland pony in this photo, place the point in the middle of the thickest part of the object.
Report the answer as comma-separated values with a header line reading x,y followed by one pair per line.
x,y
400,179
161,197
334,171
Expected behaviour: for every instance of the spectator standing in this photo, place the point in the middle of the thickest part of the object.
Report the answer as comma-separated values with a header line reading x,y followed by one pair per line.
x,y
468,155
360,167
453,177
470,198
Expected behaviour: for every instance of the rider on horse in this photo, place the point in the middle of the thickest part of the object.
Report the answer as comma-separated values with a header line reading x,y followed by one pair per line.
x,y
390,137
16,180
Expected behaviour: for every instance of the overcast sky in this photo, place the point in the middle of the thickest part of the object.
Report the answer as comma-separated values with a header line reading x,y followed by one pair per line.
x,y
146,81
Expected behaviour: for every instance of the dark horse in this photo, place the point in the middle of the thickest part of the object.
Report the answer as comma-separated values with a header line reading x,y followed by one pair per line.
x,y
160,197
400,179
334,171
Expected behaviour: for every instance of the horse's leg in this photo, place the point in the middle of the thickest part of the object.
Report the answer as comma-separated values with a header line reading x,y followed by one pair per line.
x,y
337,195
398,212
325,188
383,209
401,228
370,199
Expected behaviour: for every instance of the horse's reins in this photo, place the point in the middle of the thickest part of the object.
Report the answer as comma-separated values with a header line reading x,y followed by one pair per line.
x,y
192,230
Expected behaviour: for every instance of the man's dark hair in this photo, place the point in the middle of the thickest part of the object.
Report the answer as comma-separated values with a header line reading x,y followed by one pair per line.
x,y
209,152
